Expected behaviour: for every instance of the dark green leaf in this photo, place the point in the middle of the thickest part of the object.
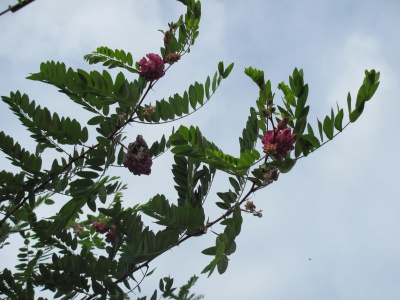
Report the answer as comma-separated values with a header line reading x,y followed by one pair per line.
x,y
209,251
328,127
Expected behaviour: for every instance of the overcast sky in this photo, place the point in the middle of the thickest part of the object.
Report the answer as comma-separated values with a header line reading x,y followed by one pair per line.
x,y
339,207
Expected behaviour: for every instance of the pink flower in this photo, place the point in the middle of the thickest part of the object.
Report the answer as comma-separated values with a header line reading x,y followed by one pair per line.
x,y
153,68
282,140
268,139
100,227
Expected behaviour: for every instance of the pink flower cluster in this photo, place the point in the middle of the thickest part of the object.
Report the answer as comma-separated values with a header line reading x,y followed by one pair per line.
x,y
100,227
151,68
138,159
110,231
278,142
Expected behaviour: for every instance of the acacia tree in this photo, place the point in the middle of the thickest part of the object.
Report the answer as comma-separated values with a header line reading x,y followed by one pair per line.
x,y
94,247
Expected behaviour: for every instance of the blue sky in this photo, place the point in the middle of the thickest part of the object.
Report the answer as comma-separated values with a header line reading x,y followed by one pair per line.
x,y
339,207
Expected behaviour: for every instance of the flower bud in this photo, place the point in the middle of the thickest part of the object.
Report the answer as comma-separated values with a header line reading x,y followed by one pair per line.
x,y
283,123
265,112
167,38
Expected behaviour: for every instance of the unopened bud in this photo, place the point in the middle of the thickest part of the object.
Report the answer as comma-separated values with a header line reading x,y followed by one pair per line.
x,y
283,123
266,112
167,38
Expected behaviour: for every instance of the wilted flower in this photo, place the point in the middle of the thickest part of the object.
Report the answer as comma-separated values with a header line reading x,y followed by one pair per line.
x,y
250,206
149,110
258,213
138,159
153,68
271,175
172,58
282,140
121,119
78,229
111,235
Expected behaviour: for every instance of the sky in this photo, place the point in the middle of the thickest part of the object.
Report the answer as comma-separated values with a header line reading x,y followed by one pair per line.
x,y
330,227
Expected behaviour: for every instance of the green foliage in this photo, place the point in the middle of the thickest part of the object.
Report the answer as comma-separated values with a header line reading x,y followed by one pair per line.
x,y
225,243
72,253
20,157
295,99
47,129
365,93
190,142
184,218
193,183
111,59
94,91
179,106
165,286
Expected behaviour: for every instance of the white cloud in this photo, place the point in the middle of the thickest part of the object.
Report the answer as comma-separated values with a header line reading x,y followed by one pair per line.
x,y
337,207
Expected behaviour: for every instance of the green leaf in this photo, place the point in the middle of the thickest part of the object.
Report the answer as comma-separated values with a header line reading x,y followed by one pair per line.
x,y
320,129
235,184
312,140
256,75
87,174
227,71
339,120
207,88
209,251
221,68
289,95
328,127
223,205
222,264
95,120
111,59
